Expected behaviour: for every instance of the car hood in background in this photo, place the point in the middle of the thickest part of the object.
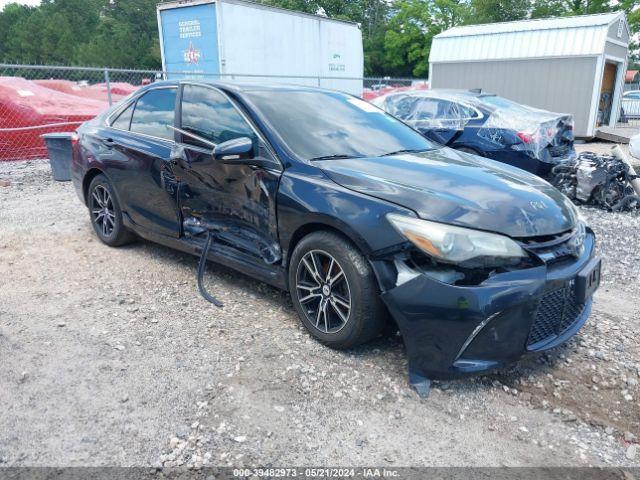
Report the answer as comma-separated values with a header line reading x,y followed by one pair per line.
x,y
451,187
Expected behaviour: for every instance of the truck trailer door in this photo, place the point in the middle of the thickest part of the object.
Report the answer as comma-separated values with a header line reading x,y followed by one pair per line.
x,y
189,40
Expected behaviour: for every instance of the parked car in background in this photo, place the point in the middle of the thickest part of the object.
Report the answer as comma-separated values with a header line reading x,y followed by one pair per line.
x,y
631,104
487,125
380,89
379,86
634,146
358,216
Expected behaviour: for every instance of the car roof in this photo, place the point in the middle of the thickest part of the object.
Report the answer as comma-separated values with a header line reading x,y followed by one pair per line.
x,y
241,86
474,93
447,93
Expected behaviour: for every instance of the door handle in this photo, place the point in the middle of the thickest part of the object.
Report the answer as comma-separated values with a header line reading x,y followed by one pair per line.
x,y
108,142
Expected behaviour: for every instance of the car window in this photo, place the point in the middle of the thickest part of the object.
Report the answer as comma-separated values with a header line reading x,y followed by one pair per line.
x,y
466,112
154,113
209,114
425,109
448,110
123,121
400,105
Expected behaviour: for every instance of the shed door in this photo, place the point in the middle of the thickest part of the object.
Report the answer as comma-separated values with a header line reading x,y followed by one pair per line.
x,y
606,93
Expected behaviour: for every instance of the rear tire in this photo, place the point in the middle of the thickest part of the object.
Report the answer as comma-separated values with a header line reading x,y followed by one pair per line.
x,y
334,291
105,213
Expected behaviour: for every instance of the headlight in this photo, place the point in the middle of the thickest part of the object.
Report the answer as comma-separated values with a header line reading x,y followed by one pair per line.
x,y
454,244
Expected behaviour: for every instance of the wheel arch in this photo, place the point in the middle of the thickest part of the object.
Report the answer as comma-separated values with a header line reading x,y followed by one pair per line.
x,y
92,173
88,178
323,224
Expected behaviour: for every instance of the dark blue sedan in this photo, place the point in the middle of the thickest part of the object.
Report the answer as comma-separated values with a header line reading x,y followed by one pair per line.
x,y
487,125
363,220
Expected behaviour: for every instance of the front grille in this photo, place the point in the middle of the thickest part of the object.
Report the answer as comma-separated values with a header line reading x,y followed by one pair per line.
x,y
557,311
552,248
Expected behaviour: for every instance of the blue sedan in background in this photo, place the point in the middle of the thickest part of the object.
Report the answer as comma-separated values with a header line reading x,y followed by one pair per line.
x,y
487,125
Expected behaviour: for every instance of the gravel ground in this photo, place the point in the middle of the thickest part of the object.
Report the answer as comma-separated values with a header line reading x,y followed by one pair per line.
x,y
110,357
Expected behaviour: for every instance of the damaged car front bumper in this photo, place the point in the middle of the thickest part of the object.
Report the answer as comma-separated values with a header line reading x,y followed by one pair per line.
x,y
452,331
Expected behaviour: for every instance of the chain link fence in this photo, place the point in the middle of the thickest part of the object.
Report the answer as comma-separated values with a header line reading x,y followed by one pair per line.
x,y
36,100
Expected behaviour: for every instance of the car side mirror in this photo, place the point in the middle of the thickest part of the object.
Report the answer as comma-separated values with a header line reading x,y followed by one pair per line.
x,y
238,151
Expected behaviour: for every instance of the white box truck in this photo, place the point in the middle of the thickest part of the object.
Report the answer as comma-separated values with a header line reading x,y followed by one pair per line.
x,y
236,40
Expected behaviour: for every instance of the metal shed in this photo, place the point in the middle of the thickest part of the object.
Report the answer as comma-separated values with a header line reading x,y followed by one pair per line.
x,y
569,65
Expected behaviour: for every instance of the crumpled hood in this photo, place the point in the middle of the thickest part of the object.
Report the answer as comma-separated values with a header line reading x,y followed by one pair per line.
x,y
448,186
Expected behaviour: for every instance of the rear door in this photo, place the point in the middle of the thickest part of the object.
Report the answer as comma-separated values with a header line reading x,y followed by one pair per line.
x,y
240,199
139,145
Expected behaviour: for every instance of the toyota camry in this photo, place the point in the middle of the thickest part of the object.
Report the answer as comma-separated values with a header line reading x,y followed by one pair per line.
x,y
362,219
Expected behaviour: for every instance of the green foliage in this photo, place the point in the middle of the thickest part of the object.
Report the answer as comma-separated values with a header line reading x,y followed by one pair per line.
x,y
397,34
126,37
490,11
119,33
412,26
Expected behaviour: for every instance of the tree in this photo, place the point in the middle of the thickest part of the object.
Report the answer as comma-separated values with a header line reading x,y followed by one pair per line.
x,y
412,27
127,36
490,11
89,32
11,18
546,9
633,16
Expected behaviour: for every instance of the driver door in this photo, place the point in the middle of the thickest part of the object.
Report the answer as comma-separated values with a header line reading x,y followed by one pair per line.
x,y
239,199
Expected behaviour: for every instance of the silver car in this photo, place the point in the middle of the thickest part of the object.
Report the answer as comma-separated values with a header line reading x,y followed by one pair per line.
x,y
634,146
631,104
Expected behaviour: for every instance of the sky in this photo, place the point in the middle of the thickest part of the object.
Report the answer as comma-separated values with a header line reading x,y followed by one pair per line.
x,y
25,2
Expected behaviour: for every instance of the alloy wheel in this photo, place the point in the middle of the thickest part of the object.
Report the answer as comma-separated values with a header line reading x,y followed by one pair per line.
x,y
323,291
102,210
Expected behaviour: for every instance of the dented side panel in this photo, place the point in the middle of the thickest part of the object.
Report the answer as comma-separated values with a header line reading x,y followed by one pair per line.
x,y
237,200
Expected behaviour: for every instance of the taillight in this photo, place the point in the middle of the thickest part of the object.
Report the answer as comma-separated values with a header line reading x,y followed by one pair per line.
x,y
75,138
526,137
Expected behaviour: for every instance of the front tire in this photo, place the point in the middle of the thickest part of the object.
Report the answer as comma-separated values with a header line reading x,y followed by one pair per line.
x,y
105,213
334,291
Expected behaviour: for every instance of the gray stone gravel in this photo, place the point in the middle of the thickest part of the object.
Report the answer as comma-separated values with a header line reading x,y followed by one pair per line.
x,y
110,357
619,244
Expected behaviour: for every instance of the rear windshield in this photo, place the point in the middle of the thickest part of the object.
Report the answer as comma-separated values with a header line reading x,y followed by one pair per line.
x,y
317,124
501,103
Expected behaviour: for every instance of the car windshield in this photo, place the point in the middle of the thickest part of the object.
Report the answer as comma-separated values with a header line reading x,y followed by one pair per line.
x,y
501,103
321,124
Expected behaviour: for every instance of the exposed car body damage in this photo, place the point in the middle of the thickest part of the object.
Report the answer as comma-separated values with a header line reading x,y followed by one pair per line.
x,y
490,323
605,181
456,317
